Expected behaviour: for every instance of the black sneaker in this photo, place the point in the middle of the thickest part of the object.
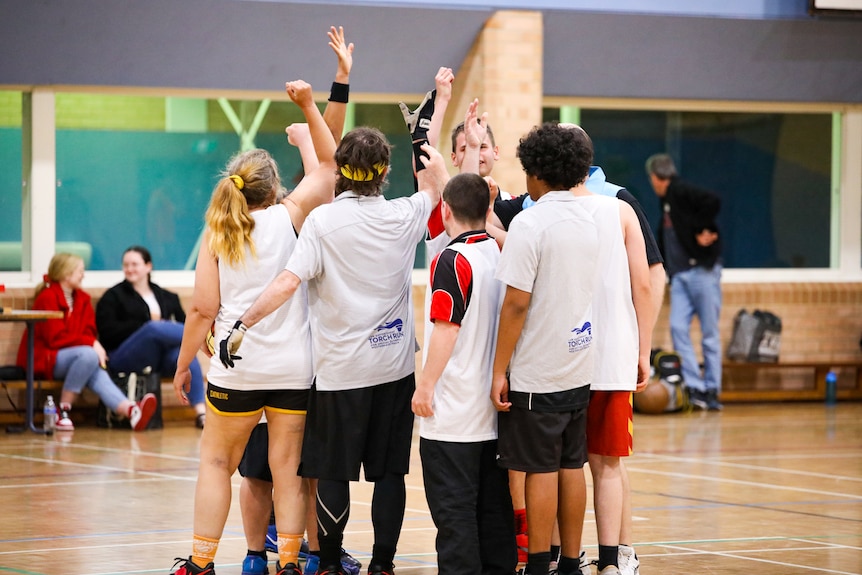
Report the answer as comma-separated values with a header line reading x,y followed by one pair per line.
x,y
380,570
288,569
712,402
188,567
698,399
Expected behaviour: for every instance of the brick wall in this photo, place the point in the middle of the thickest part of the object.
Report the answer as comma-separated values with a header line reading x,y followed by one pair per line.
x,y
821,321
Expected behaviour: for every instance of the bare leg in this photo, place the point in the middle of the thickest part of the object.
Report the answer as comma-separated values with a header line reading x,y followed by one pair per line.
x,y
626,536
255,503
573,506
222,446
607,497
289,491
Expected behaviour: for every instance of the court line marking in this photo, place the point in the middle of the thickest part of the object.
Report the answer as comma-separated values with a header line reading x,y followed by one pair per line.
x,y
733,555
677,459
758,484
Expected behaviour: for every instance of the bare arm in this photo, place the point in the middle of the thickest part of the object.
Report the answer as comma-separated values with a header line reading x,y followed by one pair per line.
x,y
434,177
206,300
298,135
276,293
474,135
317,187
657,280
335,111
443,82
513,314
641,288
440,346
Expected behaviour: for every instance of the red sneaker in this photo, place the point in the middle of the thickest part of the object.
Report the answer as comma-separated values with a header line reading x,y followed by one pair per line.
x,y
141,412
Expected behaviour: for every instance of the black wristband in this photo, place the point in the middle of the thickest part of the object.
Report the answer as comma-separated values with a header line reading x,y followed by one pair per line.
x,y
339,92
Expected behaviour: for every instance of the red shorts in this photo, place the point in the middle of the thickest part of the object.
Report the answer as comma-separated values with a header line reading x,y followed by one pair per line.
x,y
609,423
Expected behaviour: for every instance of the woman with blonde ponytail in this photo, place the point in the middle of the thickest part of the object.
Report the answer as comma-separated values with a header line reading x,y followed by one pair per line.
x,y
247,241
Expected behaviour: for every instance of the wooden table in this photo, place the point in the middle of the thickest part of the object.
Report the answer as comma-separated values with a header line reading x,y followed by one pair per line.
x,y
29,317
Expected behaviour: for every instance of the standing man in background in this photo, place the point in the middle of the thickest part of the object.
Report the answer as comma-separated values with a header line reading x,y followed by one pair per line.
x,y
690,243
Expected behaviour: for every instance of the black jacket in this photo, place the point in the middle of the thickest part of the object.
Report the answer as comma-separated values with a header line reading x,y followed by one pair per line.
x,y
692,210
121,311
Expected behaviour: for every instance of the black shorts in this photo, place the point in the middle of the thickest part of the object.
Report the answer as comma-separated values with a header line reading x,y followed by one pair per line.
x,y
255,459
233,402
370,427
542,442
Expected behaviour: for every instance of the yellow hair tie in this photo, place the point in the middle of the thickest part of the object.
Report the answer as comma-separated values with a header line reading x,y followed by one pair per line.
x,y
361,175
238,181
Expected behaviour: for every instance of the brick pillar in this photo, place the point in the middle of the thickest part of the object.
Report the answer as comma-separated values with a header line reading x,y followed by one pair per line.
x,y
504,70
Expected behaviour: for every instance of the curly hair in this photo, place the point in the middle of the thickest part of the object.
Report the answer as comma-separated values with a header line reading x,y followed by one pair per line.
x,y
364,152
557,155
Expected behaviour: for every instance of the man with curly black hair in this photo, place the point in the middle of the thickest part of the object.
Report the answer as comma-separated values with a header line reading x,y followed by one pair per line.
x,y
548,264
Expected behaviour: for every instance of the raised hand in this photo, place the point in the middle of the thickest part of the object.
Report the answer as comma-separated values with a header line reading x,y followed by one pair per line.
x,y
298,134
443,82
343,50
300,93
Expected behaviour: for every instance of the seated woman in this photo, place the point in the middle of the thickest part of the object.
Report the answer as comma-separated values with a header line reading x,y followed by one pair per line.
x,y
68,349
141,326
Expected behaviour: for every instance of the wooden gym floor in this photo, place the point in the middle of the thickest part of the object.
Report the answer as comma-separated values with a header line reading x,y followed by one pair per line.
x,y
766,489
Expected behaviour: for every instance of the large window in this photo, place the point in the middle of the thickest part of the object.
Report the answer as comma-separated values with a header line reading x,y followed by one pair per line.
x,y
772,171
10,181
138,170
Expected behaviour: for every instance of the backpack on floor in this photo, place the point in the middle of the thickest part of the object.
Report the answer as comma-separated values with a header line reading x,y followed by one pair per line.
x,y
756,337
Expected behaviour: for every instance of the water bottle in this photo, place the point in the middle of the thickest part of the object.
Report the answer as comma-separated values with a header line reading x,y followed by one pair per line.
x,y
49,412
831,385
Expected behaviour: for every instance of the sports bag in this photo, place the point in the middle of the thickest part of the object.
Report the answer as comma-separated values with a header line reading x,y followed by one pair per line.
x,y
756,337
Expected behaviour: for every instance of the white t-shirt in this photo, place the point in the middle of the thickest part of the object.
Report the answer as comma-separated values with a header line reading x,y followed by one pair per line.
x,y
615,329
276,354
465,293
357,256
551,252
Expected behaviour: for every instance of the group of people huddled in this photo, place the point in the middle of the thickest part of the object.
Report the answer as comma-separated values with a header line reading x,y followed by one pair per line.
x,y
539,311
538,315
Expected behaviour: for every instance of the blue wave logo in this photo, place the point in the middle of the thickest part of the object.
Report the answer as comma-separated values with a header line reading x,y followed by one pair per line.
x,y
387,334
586,328
397,324
582,338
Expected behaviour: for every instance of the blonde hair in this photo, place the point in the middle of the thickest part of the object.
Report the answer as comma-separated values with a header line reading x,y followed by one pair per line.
x,y
250,181
62,265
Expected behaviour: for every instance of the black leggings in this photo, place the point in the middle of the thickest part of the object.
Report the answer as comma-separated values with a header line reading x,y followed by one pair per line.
x,y
387,516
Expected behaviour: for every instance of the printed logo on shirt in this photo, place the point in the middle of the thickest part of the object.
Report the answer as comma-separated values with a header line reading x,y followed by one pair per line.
x,y
387,334
583,337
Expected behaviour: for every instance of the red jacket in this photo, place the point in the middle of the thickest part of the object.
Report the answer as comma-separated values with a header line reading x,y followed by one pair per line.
x,y
77,327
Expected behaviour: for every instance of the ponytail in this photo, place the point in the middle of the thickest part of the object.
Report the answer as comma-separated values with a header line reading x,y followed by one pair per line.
x,y
230,222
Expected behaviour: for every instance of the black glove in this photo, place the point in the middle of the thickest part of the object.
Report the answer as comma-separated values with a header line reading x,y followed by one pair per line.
x,y
230,345
419,120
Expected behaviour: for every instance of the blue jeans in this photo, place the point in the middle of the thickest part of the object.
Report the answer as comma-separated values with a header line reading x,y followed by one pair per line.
x,y
697,292
156,344
78,367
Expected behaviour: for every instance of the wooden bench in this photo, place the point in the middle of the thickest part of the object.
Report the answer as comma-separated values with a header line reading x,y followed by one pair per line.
x,y
747,381
86,406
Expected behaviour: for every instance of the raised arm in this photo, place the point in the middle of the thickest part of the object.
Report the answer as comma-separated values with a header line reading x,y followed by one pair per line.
x,y
317,187
336,108
434,177
475,130
443,82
